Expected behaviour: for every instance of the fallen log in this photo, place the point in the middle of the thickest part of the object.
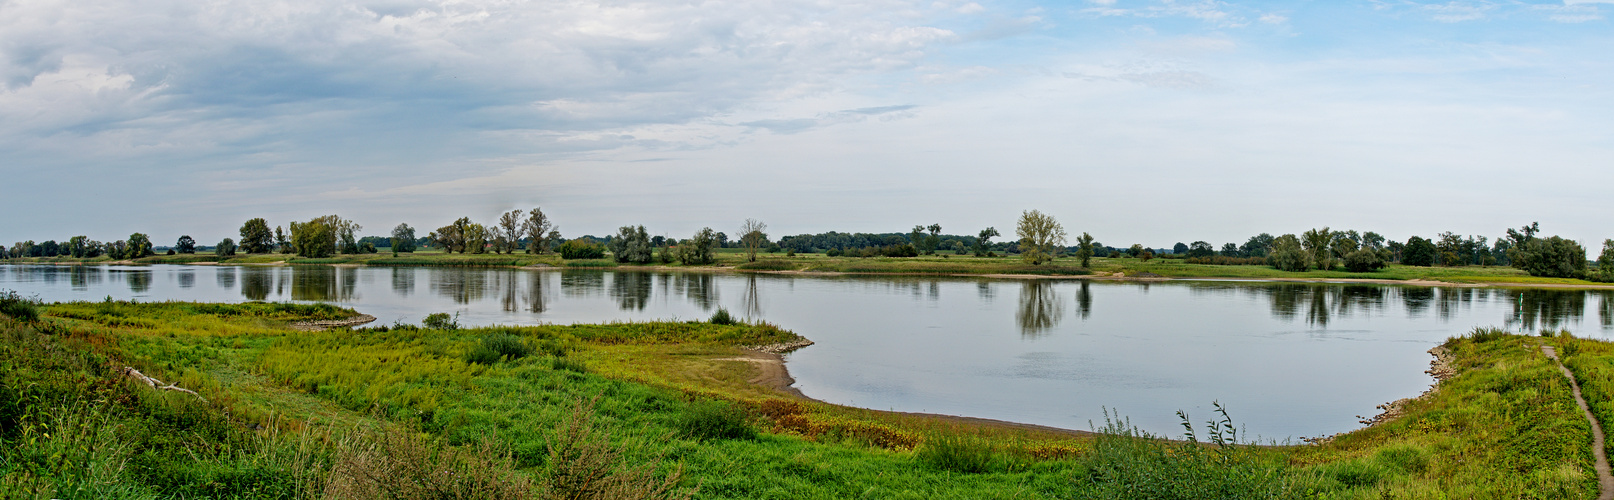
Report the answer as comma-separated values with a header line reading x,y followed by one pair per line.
x,y
158,384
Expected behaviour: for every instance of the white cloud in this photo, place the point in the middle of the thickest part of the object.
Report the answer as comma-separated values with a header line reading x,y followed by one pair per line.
x,y
1274,18
1455,12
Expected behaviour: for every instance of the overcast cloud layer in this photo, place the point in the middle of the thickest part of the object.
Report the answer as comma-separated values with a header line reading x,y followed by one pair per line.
x,y
1137,121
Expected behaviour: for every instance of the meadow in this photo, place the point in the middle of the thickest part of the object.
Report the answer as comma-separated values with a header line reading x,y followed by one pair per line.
x,y
668,410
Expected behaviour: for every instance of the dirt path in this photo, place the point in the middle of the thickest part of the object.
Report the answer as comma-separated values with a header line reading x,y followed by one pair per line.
x,y
1605,477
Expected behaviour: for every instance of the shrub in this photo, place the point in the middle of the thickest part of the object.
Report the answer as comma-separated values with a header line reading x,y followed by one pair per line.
x,y
580,249
441,321
498,346
583,465
568,364
18,307
1363,260
714,420
409,466
722,317
1220,260
957,453
1481,335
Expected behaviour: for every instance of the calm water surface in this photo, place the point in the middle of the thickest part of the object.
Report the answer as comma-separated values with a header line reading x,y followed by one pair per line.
x,y
1287,359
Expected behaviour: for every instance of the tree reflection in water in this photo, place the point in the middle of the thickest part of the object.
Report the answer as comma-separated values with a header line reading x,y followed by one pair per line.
x,y
983,289
1040,308
81,277
1084,300
1535,310
463,286
752,301
256,282
632,289
582,283
403,281
139,280
225,277
322,283
700,288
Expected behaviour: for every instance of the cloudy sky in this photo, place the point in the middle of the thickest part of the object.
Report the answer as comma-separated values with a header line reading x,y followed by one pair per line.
x,y
1148,121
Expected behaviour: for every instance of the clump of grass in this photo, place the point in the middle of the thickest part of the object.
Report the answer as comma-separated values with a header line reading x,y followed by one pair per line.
x,y
497,346
19,307
1482,335
568,364
958,453
583,465
714,420
1127,462
408,466
722,317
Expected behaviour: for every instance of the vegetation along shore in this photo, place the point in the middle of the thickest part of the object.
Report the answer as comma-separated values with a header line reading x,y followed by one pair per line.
x,y
233,401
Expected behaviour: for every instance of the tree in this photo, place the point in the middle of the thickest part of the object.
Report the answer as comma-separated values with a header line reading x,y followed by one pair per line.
x,y
76,246
631,245
139,246
1418,252
538,229
933,240
1230,250
1041,237
476,238
1179,248
1605,263
1258,246
1363,260
281,242
1317,243
511,227
117,250
1200,249
225,248
255,236
313,239
983,241
1553,257
1286,253
1084,248
186,244
1372,240
1136,250
403,239
753,238
697,249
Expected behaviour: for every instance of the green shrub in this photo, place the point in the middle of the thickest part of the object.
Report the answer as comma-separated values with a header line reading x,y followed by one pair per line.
x,y
722,317
568,364
498,346
957,453
441,321
714,420
18,307
1482,335
580,249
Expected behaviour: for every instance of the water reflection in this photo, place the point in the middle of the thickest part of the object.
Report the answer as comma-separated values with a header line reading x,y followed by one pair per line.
x,y
986,293
226,277
139,280
752,299
537,298
582,284
700,288
1084,300
1040,308
323,284
256,282
186,278
82,277
632,289
463,286
1535,310
403,281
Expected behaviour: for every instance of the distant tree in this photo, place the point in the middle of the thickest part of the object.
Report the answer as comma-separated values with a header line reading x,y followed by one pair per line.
x,y
1372,240
1199,249
753,238
538,227
1230,250
1136,250
1257,246
1605,263
1396,249
511,227
580,249
281,243
1041,237
983,241
1317,243
1499,252
367,246
1286,253
403,239
1179,248
631,245
314,239
255,236
698,249
1344,244
118,250
1084,248
225,248
476,238
186,244
139,246
77,246
1418,252
933,240
1449,249
1363,260
1553,257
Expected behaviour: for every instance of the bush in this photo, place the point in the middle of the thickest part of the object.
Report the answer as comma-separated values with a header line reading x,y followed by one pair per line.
x,y
18,307
714,420
1363,260
722,317
441,321
1220,260
498,346
1481,335
957,453
580,249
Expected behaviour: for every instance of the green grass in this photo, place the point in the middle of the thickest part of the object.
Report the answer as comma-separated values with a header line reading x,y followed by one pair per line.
x,y
399,405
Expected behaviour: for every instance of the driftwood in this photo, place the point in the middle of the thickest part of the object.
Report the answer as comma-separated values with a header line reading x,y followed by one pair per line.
x,y
158,384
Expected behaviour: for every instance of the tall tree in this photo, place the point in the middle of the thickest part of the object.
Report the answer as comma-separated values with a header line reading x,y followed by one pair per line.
x,y
186,244
78,246
313,239
538,229
225,248
1318,244
1286,253
1179,248
1258,246
631,245
1605,263
403,238
1230,250
697,249
139,246
511,225
983,241
1041,236
933,240
1084,248
1201,249
753,237
281,242
255,236
1419,252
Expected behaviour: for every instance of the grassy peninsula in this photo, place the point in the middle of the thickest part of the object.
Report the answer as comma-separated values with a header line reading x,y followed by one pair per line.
x,y
93,404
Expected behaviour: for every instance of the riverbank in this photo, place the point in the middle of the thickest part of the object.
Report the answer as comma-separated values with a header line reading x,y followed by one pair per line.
x,y
294,411
731,261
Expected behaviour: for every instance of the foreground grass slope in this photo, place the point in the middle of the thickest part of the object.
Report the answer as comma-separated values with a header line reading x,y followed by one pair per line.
x,y
664,410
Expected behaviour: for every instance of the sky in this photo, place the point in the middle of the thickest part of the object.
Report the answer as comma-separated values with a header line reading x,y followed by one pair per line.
x,y
1137,121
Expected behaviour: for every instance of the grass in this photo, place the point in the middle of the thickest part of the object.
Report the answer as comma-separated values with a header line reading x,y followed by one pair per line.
x,y
663,410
